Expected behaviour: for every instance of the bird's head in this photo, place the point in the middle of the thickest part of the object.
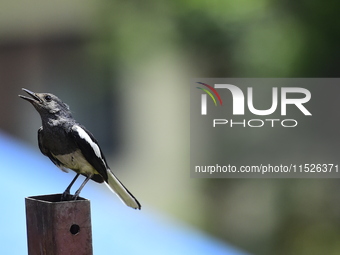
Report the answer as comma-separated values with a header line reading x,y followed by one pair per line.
x,y
47,104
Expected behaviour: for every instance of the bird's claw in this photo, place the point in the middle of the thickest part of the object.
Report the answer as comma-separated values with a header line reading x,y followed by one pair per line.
x,y
75,196
65,196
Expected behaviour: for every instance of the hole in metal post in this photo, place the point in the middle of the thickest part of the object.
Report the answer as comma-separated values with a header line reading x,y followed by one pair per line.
x,y
74,229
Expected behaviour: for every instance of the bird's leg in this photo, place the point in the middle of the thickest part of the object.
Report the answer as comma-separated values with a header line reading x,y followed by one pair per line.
x,y
67,191
76,195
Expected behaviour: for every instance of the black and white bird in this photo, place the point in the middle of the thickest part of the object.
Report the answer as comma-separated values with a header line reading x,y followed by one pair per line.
x,y
70,146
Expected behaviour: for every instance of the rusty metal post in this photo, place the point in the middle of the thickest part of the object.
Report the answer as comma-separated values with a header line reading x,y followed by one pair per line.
x,y
57,227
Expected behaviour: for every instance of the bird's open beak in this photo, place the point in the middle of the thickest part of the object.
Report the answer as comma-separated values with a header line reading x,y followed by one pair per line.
x,y
33,99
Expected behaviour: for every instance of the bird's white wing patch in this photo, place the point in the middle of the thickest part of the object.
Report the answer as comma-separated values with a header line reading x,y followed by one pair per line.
x,y
83,135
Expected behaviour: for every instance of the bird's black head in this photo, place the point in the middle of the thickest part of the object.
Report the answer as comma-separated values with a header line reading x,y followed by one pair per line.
x,y
47,104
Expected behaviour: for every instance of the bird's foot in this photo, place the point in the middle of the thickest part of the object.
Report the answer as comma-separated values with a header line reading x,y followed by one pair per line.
x,y
76,195
65,196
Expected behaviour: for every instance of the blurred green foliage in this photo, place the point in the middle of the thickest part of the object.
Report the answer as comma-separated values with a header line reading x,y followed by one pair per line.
x,y
265,38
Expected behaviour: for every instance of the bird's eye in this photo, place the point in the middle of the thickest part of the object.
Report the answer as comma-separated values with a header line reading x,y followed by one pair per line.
x,y
48,98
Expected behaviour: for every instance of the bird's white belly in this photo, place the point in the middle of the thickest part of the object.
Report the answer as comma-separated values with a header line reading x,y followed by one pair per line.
x,y
77,162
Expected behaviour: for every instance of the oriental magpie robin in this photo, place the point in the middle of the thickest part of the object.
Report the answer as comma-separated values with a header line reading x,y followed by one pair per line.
x,y
70,146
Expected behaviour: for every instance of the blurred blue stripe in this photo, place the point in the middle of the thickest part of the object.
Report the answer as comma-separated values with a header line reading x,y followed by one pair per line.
x,y
117,229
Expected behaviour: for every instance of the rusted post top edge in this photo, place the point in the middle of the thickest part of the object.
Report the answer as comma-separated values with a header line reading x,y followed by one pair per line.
x,y
55,198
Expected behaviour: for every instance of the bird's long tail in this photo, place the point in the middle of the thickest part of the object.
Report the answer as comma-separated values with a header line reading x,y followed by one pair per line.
x,y
117,187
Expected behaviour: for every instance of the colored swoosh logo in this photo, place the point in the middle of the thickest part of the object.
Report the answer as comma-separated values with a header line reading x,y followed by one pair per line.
x,y
210,94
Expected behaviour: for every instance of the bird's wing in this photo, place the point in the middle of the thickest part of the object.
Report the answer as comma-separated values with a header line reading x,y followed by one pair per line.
x,y
46,152
89,147
40,142
93,154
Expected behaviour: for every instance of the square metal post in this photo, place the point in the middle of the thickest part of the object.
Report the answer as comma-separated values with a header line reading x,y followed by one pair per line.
x,y
57,227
